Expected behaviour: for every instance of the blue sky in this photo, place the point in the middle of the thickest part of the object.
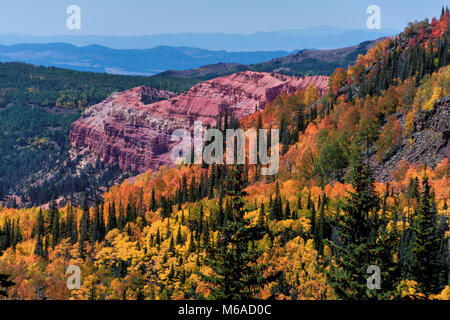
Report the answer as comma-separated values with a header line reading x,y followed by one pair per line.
x,y
138,17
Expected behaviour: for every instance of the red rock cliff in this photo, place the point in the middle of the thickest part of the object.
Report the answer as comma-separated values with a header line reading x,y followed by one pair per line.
x,y
124,129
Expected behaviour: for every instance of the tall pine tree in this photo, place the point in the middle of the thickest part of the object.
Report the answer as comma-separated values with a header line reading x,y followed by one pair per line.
x,y
427,264
358,247
235,275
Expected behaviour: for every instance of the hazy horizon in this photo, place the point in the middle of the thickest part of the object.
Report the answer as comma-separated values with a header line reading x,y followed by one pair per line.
x,y
269,41
330,30
138,17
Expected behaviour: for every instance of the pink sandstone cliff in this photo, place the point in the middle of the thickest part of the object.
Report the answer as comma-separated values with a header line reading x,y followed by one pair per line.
x,y
123,129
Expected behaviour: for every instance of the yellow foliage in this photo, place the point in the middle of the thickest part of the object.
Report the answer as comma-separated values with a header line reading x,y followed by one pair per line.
x,y
311,94
409,125
409,289
444,295
432,88
437,94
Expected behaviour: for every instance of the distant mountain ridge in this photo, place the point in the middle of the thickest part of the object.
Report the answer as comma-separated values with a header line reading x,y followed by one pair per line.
x,y
319,37
96,58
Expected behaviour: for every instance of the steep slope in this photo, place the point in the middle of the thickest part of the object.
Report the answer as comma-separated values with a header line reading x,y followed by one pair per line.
x,y
392,104
431,141
123,129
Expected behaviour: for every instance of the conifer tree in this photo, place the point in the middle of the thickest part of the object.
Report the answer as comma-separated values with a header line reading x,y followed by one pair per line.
x,y
172,246
179,239
212,181
206,242
259,126
191,242
319,229
228,212
262,216
387,244
40,223
46,244
158,237
53,211
39,249
166,207
121,222
153,201
96,225
84,230
193,190
312,219
101,224
357,247
309,203
276,211
74,234
287,211
235,272
182,218
55,229
140,204
299,201
112,222
427,265
67,225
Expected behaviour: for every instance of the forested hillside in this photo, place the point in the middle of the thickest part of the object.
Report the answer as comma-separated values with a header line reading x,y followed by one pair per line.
x,y
303,63
309,232
37,107
28,85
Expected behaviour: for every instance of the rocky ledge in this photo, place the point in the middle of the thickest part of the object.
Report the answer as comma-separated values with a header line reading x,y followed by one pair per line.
x,y
428,145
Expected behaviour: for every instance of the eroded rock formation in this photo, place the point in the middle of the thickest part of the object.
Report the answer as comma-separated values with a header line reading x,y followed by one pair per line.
x,y
127,129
